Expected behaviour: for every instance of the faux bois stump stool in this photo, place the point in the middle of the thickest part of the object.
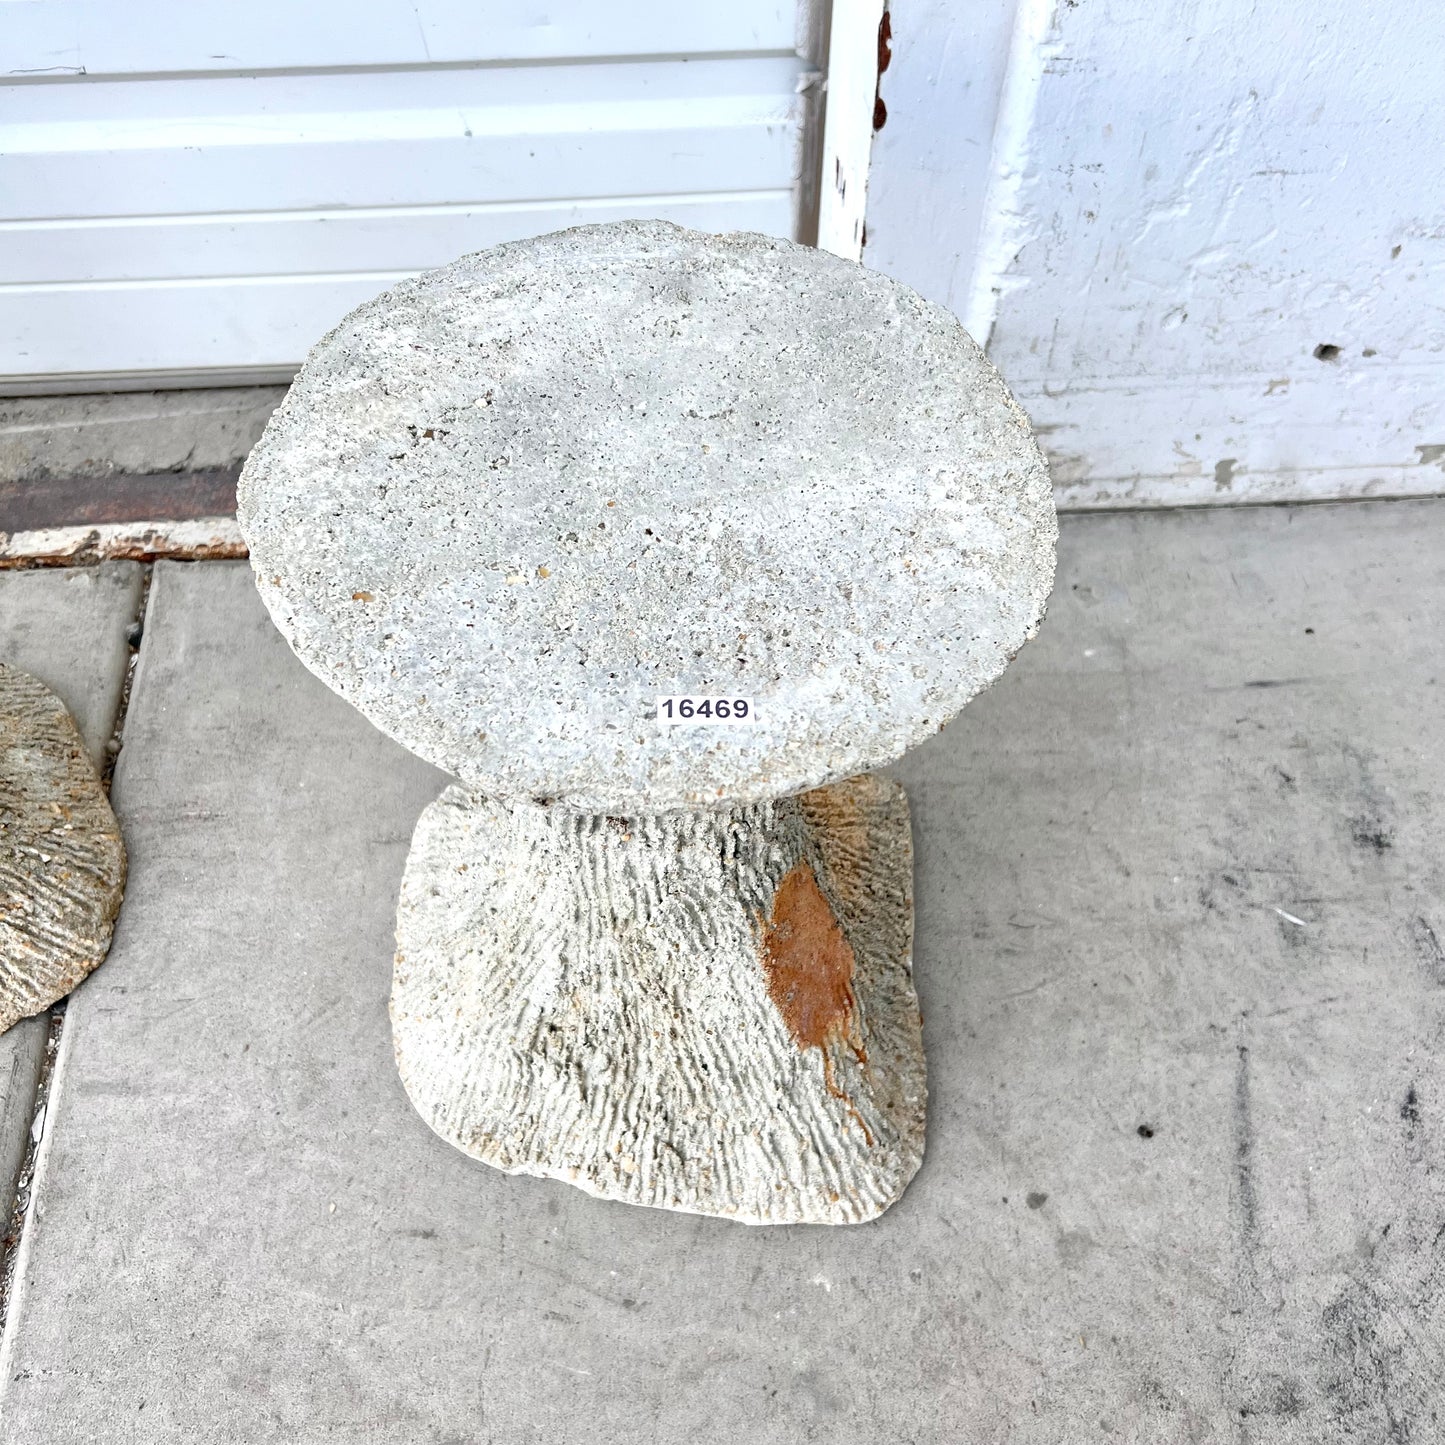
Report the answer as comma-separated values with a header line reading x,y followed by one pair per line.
x,y
660,543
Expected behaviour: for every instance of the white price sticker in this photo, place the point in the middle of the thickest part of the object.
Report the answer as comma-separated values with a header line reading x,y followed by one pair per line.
x,y
685,711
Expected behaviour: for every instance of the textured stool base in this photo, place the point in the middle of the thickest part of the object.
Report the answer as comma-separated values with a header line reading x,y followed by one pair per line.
x,y
62,861
710,1012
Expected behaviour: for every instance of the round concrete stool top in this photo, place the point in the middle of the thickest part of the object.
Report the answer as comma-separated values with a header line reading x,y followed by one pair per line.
x,y
511,503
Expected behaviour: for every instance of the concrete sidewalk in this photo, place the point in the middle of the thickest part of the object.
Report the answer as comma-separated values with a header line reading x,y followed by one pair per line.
x,y
1181,952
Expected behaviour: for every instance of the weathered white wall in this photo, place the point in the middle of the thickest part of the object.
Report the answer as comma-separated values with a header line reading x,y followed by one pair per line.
x,y
1157,210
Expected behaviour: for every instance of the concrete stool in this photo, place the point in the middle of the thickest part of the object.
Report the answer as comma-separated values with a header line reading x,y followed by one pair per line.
x,y
62,859
658,542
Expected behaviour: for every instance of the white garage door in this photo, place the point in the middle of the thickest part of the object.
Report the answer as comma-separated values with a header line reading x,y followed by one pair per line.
x,y
197,191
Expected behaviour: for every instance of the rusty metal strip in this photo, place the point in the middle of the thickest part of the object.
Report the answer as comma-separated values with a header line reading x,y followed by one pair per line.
x,y
141,517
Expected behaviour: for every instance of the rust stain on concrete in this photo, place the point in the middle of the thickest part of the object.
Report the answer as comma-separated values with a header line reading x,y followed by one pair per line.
x,y
808,962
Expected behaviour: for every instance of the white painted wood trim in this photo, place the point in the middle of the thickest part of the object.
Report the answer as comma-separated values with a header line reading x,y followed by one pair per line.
x,y
1003,230
848,125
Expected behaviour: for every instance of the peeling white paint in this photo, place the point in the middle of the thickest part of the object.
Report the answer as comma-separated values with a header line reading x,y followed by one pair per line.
x,y
93,542
848,125
1181,205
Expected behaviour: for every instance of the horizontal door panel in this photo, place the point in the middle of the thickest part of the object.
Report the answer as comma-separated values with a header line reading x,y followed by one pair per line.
x,y
250,321
213,109
103,37
291,243
448,137
178,326
246,175
409,173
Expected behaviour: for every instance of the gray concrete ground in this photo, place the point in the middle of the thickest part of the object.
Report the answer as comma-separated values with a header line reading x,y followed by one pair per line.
x,y
1181,951
138,431
68,629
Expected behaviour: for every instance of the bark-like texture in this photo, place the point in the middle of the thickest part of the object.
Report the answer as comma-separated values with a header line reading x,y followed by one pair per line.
x,y
710,1012
62,862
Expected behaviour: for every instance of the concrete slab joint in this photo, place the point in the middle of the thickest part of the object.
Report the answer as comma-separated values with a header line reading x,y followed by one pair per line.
x,y
511,506
67,630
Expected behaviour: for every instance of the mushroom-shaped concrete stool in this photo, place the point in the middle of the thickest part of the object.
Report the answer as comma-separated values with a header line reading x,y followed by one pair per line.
x,y
658,542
